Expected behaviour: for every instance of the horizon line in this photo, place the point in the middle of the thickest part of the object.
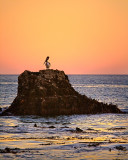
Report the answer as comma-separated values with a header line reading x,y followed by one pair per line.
x,y
74,73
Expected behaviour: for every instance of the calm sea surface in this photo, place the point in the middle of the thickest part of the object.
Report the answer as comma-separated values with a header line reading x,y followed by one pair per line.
x,y
55,137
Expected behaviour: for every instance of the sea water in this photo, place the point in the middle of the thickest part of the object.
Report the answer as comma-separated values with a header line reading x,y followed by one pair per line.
x,y
56,137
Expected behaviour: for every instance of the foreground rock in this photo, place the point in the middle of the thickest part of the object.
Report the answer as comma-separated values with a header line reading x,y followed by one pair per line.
x,y
48,93
13,150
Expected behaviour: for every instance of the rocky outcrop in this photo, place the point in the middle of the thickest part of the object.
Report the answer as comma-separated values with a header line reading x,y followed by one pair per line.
x,y
49,93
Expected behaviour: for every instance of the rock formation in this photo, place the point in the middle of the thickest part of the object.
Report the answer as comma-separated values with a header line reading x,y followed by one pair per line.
x,y
49,93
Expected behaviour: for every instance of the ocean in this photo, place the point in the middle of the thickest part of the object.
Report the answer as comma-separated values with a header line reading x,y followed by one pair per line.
x,y
103,136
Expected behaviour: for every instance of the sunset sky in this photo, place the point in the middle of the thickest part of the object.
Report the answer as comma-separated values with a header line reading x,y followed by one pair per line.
x,y
80,36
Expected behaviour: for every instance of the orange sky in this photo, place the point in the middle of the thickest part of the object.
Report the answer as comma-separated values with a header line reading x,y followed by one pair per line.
x,y
80,36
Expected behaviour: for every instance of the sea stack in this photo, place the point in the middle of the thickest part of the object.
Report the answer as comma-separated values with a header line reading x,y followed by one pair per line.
x,y
49,93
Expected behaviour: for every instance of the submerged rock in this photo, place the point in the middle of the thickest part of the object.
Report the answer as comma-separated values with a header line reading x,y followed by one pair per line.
x,y
78,129
10,150
121,148
14,150
35,125
116,128
51,127
94,144
49,93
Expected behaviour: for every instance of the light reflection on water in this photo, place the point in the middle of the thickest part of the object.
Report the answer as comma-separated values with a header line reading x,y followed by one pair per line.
x,y
20,132
61,141
99,86
63,124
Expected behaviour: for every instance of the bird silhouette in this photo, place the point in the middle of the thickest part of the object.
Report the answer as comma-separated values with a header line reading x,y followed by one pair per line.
x,y
47,64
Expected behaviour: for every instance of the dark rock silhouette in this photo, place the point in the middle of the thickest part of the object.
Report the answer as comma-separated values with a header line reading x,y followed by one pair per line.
x,y
49,93
78,129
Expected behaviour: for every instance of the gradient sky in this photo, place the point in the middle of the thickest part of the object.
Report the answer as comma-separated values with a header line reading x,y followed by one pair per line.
x,y
80,36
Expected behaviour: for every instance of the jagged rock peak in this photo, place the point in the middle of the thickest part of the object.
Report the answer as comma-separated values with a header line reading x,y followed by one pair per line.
x,y
48,74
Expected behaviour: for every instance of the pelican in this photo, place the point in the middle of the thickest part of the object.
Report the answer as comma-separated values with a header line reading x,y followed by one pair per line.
x,y
47,64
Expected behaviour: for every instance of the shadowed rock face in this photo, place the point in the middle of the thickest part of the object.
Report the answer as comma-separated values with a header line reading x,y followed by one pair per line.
x,y
48,93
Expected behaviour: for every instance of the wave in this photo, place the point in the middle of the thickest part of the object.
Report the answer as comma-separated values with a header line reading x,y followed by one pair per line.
x,y
1,83
100,86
